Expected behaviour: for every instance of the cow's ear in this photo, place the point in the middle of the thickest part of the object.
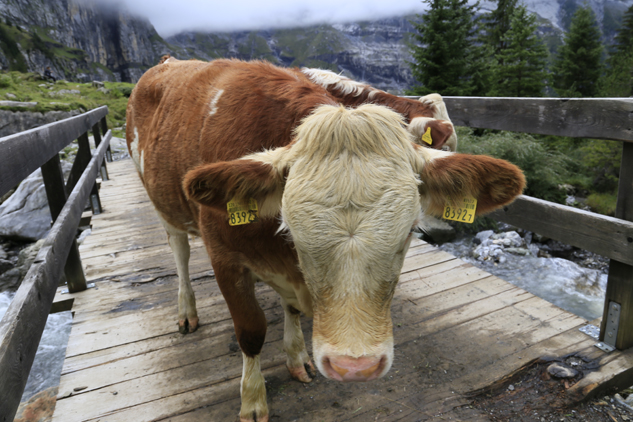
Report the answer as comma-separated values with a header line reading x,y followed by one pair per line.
x,y
448,178
215,184
434,133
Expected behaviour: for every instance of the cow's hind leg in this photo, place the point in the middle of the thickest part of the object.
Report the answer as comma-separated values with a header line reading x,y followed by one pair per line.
x,y
299,363
238,288
187,312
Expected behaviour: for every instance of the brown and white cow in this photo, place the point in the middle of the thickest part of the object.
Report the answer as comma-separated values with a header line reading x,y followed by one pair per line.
x,y
338,190
427,118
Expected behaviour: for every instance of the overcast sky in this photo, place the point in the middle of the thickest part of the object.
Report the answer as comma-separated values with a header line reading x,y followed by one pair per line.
x,y
172,16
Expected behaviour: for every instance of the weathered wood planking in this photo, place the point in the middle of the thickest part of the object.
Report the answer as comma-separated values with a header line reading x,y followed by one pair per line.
x,y
25,152
602,118
604,235
22,326
620,282
456,329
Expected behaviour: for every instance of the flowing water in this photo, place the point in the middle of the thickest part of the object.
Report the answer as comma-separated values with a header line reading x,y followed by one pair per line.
x,y
47,366
564,283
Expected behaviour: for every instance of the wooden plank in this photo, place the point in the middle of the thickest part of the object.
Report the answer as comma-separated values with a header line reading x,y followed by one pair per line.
x,y
22,325
604,235
25,152
602,118
620,281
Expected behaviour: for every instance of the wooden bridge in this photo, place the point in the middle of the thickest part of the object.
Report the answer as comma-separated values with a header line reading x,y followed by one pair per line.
x,y
457,329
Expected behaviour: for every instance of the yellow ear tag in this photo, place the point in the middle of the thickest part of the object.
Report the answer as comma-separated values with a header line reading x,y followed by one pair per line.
x,y
242,211
462,211
427,136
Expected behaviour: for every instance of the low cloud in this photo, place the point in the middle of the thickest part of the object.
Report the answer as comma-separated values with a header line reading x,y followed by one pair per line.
x,y
170,17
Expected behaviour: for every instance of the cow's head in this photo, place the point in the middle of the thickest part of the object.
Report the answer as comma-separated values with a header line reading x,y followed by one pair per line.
x,y
350,190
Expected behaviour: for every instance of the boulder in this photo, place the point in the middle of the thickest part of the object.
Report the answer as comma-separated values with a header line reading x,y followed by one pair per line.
x,y
11,279
25,215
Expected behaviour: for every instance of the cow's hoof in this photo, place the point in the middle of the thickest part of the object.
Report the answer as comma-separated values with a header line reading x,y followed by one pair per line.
x,y
187,325
303,373
254,418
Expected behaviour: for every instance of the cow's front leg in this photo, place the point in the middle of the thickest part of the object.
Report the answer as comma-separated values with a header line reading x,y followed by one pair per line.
x,y
238,288
299,363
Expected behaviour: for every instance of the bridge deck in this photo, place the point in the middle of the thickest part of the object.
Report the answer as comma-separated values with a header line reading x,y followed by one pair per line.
x,y
456,329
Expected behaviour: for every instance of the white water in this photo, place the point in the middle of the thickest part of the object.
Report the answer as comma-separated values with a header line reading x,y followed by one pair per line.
x,y
49,359
565,284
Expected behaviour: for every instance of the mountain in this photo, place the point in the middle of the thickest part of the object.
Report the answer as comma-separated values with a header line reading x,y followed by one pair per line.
x,y
374,52
86,40
79,40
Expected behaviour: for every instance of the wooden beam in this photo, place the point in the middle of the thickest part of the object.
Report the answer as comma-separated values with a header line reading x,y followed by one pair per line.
x,y
82,159
22,326
23,153
620,281
602,118
607,236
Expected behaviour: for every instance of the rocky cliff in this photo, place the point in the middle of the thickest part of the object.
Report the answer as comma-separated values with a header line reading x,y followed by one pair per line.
x,y
374,52
79,40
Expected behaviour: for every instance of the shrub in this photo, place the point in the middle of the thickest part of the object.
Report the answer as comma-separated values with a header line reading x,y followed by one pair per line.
x,y
544,169
5,81
125,90
603,203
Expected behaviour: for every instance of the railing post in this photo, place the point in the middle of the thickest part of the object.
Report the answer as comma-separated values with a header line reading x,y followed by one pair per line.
x,y
56,194
96,132
619,295
104,130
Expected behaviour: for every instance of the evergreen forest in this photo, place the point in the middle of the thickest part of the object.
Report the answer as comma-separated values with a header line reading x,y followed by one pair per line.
x,y
458,51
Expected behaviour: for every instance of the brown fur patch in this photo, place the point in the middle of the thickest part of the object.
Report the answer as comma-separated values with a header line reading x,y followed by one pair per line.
x,y
493,182
441,130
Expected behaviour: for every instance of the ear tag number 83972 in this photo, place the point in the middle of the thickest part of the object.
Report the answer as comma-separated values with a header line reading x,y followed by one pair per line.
x,y
462,211
242,211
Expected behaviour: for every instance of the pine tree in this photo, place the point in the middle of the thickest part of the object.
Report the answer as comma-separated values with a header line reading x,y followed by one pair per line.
x,y
618,81
578,64
445,58
497,24
520,69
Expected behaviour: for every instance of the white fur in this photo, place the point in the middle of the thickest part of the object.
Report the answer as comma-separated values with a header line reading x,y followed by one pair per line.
x,y
179,244
346,86
252,389
136,157
213,106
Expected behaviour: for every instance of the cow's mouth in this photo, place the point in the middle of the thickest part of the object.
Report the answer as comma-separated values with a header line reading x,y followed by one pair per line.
x,y
348,369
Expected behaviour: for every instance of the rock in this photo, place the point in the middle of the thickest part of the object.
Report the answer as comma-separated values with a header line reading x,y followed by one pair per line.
x,y
539,238
63,92
518,251
18,121
511,238
98,84
104,90
83,236
11,279
11,96
5,265
558,370
437,231
17,104
483,235
38,408
25,215
534,249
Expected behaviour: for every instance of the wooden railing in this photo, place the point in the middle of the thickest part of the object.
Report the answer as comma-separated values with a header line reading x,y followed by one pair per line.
x,y
20,154
601,118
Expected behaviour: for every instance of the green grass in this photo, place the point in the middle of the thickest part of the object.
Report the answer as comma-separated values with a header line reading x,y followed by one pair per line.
x,y
26,86
603,203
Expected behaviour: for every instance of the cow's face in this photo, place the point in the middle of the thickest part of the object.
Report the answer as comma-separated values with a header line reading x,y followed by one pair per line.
x,y
350,189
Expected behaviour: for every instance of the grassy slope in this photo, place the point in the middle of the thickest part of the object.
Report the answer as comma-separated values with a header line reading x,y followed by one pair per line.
x,y
29,87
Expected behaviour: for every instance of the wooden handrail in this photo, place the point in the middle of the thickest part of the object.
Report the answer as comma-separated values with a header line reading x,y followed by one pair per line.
x,y
23,153
22,326
601,118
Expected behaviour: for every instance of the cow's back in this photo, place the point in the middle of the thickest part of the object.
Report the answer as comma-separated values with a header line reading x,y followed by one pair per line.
x,y
185,113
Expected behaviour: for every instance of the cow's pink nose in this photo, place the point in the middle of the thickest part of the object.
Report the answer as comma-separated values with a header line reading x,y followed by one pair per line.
x,y
348,369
